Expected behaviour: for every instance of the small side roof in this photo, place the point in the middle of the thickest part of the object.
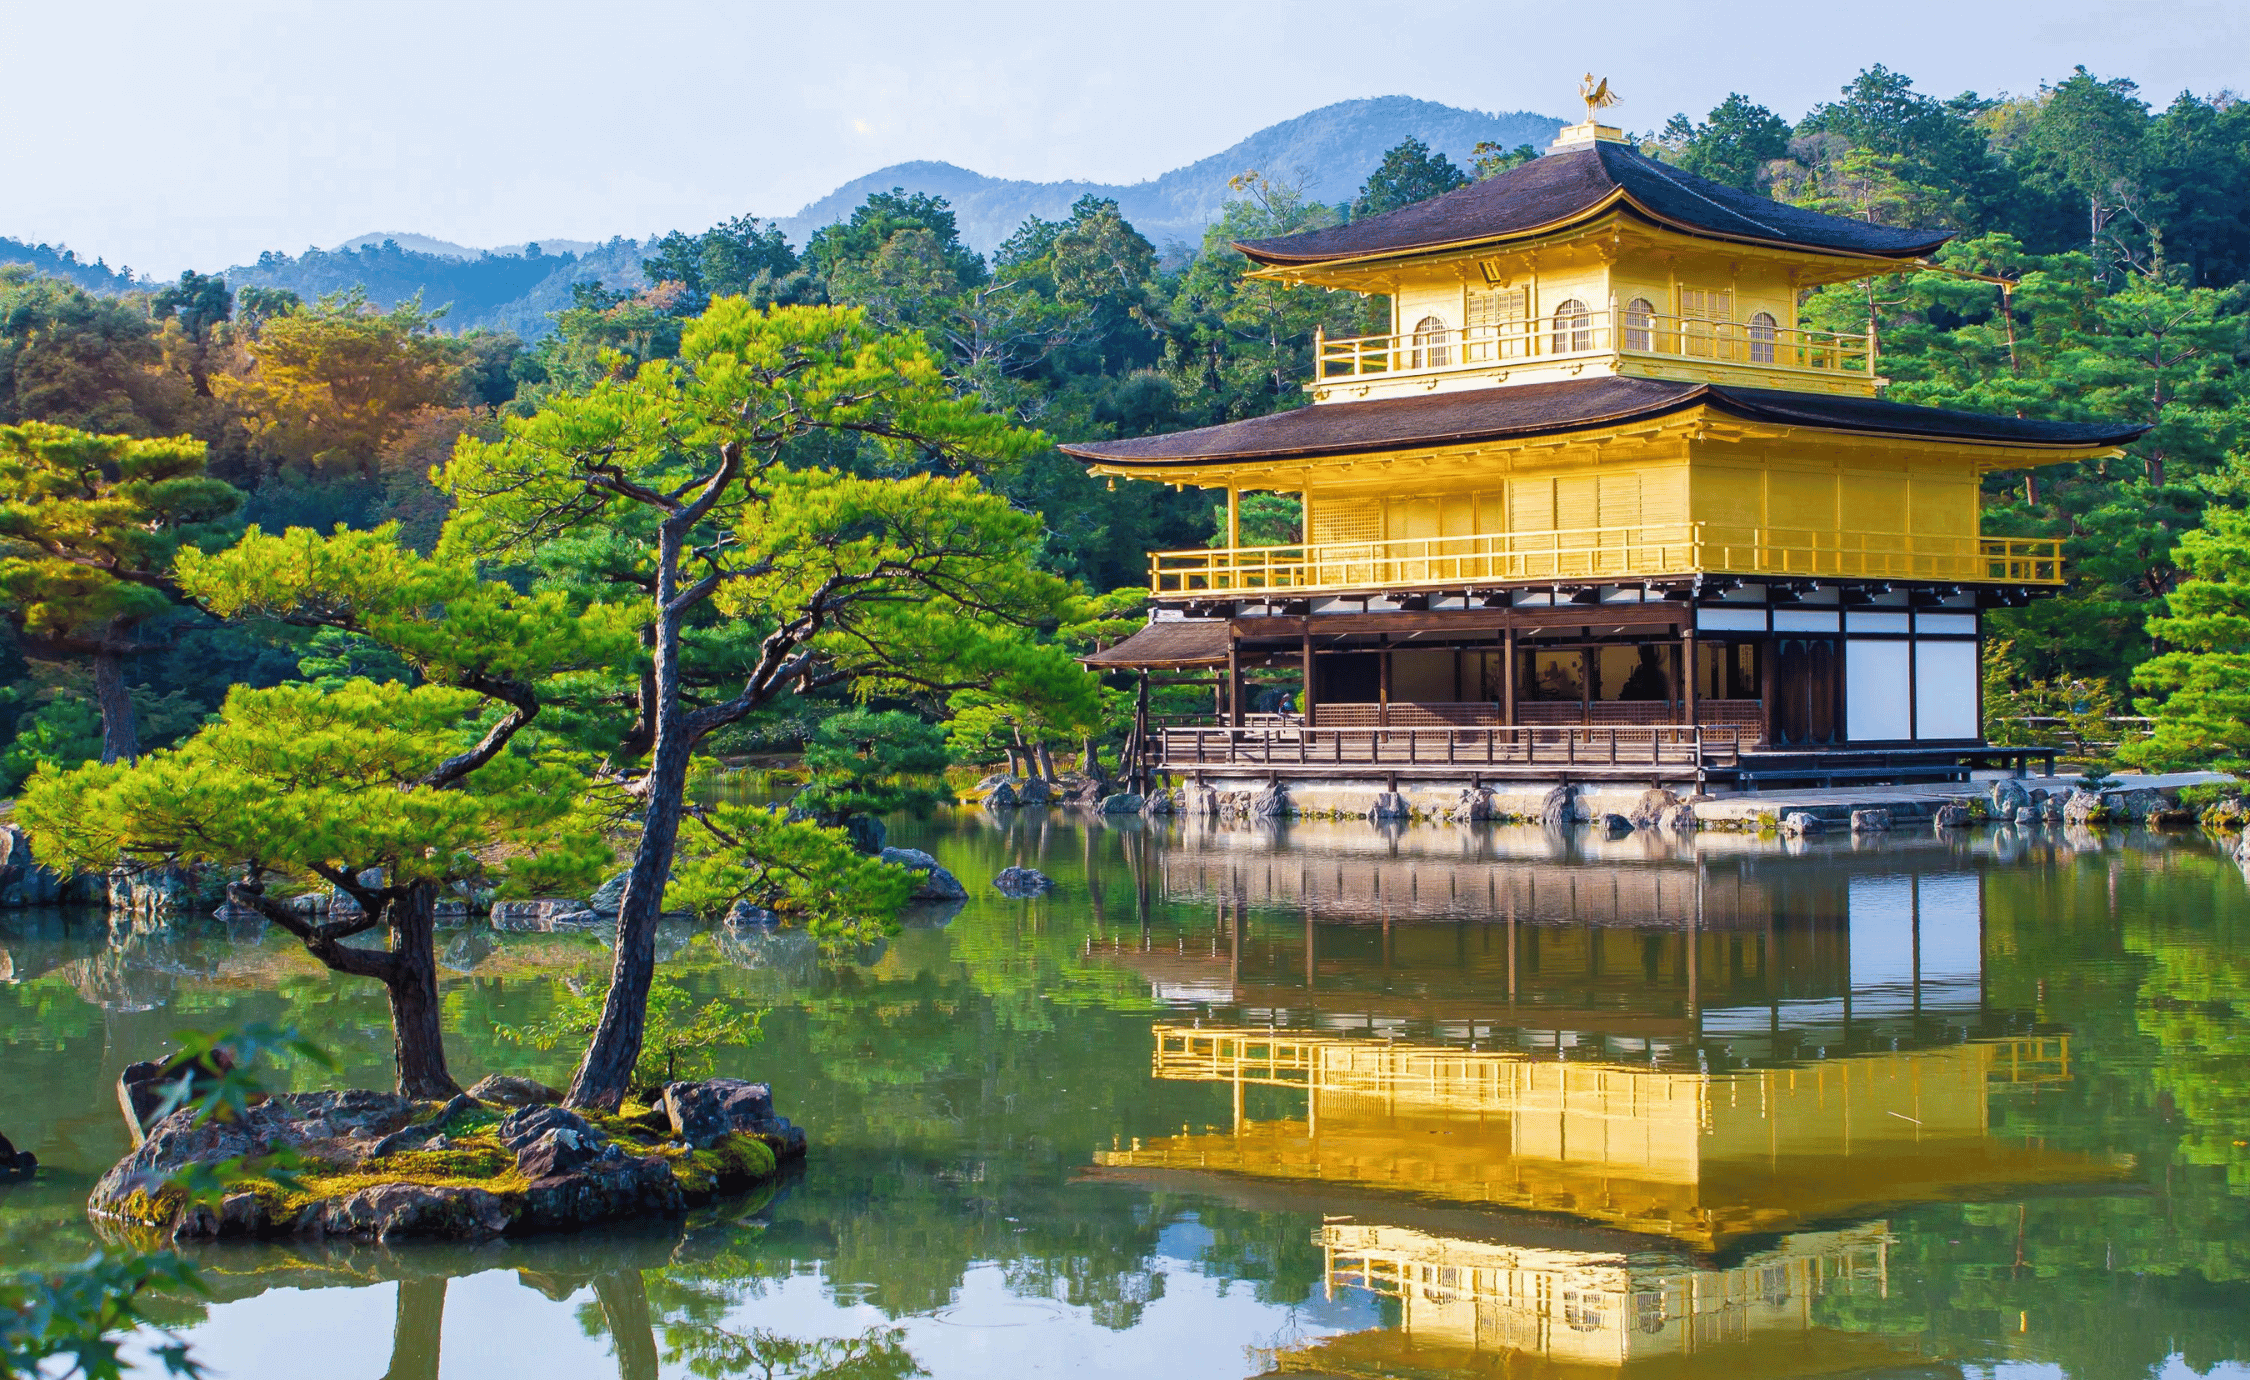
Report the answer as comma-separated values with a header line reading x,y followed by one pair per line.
x,y
1483,414
1550,193
1172,643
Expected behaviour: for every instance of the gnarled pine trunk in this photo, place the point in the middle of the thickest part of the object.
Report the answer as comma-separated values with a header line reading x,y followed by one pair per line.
x,y
417,1035
121,738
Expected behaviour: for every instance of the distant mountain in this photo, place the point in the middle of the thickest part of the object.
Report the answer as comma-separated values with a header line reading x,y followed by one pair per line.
x,y
63,262
497,291
1332,150
447,249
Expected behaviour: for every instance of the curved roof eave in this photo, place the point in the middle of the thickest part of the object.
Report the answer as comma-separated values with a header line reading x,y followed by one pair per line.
x,y
1593,212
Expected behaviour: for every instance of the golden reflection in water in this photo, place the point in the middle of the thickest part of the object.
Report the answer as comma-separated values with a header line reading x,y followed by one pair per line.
x,y
1479,1307
1700,1159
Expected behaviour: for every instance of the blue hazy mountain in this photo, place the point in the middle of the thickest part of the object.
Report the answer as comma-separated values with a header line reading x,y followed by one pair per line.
x,y
1330,150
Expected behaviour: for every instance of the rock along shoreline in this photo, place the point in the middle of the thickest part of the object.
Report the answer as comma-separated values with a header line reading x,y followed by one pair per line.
x,y
500,1160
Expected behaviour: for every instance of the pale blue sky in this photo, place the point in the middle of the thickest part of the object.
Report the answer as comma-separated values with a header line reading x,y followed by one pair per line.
x,y
193,135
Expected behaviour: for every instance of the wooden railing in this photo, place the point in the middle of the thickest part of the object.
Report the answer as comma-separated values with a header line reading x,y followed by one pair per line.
x,y
1605,553
1636,746
1578,334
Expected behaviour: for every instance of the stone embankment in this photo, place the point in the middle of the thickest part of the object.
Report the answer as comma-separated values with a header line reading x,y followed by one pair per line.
x,y
500,1159
1621,810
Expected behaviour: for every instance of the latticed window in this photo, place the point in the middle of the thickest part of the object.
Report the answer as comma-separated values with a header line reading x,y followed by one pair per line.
x,y
1764,330
1432,349
1574,327
1640,324
1358,519
1496,317
1702,304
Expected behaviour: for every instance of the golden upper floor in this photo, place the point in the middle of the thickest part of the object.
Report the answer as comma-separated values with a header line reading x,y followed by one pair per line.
x,y
1593,260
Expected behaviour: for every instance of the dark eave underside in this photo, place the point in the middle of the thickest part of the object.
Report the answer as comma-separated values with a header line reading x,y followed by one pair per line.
x,y
1550,193
1537,409
1173,643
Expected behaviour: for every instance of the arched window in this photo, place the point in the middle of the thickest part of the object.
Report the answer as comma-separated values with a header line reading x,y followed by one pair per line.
x,y
1763,331
1574,327
1640,324
1432,349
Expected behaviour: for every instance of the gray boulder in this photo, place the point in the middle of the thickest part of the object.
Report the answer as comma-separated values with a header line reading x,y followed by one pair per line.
x,y
1799,824
608,898
1475,805
512,1090
1124,803
743,915
1034,791
937,883
2026,816
1002,797
1389,805
1951,815
702,1113
2008,796
1020,882
385,1212
1163,803
23,882
1269,803
1559,808
1678,819
1614,826
2084,808
1871,821
1649,810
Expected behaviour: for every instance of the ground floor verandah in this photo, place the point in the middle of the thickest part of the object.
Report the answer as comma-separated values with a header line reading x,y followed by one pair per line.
x,y
1813,684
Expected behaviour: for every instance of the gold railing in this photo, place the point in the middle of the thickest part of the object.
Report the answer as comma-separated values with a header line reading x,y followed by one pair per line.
x,y
1576,334
1605,553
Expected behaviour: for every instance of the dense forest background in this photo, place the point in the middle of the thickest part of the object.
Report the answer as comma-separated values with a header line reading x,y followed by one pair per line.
x,y
2102,269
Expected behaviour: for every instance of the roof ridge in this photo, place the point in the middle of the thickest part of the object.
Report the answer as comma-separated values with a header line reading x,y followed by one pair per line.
x,y
1673,176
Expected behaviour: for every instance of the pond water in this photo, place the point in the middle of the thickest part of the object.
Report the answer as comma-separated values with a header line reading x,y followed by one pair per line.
x,y
1330,1100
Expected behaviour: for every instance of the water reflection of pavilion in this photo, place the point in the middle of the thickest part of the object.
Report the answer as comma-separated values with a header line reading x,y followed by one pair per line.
x,y
1471,1307
1489,939
1702,1160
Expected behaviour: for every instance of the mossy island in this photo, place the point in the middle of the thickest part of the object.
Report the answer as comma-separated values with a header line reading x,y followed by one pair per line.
x,y
502,1159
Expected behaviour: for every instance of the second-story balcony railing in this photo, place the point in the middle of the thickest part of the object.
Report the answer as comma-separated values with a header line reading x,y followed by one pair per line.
x,y
1604,554
1758,345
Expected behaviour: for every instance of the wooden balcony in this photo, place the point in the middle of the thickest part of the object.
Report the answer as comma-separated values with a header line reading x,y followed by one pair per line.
x,y
1627,751
1641,343
1603,554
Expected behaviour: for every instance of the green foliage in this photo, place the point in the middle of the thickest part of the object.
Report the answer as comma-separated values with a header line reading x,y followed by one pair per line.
x,y
296,778
865,762
683,1036
742,257
61,733
1265,519
1732,146
756,856
89,526
1409,172
2199,692
1489,159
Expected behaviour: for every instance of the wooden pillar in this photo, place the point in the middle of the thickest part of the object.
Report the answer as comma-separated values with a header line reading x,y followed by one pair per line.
x,y
1139,771
1769,676
1234,517
1687,672
1305,701
1383,674
1508,675
1234,684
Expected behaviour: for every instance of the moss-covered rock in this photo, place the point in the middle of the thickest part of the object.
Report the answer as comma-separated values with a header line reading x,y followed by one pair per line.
x,y
376,1166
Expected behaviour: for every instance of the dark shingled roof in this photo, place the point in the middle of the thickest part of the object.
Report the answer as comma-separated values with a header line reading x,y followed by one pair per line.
x,y
1551,191
1534,409
1173,642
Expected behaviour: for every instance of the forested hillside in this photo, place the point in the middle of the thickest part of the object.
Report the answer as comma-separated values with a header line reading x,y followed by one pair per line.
x,y
2099,271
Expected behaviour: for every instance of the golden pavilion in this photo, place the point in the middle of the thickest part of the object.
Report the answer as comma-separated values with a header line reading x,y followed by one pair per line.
x,y
1598,505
